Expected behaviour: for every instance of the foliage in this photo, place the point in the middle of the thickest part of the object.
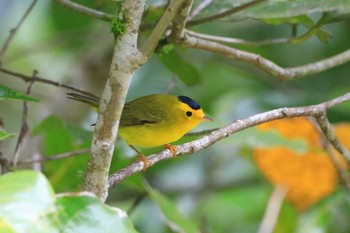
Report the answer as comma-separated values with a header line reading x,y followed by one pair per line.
x,y
29,205
7,94
225,188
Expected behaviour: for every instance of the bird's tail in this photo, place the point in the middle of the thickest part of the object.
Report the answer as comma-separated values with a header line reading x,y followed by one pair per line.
x,y
92,101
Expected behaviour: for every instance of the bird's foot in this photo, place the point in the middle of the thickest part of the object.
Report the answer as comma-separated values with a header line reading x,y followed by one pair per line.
x,y
171,148
146,162
142,158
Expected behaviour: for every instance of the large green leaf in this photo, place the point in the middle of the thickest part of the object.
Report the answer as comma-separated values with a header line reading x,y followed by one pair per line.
x,y
184,70
83,213
178,222
275,9
7,94
28,204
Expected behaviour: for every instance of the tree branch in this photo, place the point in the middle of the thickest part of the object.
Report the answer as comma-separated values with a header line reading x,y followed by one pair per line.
x,y
236,40
27,78
56,157
217,135
85,10
14,30
152,41
265,64
328,132
179,23
126,59
24,127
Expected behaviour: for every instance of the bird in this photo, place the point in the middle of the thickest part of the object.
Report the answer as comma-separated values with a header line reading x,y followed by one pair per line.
x,y
153,120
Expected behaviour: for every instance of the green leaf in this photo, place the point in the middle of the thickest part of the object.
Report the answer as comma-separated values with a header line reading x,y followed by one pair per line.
x,y
5,227
185,71
4,134
236,209
168,208
323,36
27,202
84,213
287,220
275,9
61,137
7,93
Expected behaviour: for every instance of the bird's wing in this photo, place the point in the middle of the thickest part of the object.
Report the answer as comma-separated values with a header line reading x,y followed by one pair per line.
x,y
133,114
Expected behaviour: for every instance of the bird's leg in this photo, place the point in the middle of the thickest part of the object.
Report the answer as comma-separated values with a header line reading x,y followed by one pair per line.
x,y
171,148
142,158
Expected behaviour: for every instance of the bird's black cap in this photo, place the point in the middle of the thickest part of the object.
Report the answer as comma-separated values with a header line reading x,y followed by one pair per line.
x,y
190,102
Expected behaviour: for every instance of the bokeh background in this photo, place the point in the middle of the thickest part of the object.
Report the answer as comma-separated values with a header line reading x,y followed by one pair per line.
x,y
221,188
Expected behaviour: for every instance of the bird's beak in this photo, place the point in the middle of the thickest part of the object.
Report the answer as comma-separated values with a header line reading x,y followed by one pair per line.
x,y
207,118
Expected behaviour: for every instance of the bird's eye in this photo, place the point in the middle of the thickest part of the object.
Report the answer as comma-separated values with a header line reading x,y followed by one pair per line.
x,y
188,113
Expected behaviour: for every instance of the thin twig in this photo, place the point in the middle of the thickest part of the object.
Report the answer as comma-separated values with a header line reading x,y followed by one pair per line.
x,y
327,130
339,166
236,40
199,8
343,173
27,78
24,127
55,157
225,13
265,64
15,30
86,10
219,134
272,210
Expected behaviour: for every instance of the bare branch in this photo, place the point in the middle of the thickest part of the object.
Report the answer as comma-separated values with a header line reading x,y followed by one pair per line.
x,y
85,10
272,210
225,13
293,39
236,40
265,64
24,127
217,135
179,23
199,8
14,30
152,41
343,173
56,157
27,78
327,130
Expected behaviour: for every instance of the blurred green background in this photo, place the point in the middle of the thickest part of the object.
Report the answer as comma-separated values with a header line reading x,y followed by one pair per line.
x,y
219,189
